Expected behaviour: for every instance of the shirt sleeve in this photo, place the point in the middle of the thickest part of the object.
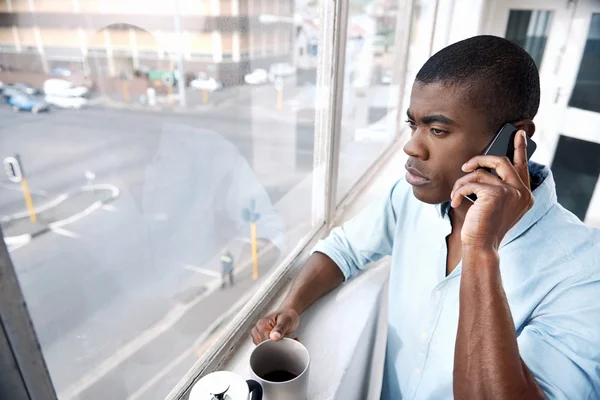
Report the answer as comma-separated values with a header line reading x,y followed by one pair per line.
x,y
561,344
365,238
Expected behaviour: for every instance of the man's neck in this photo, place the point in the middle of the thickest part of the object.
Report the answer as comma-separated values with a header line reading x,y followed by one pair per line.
x,y
457,215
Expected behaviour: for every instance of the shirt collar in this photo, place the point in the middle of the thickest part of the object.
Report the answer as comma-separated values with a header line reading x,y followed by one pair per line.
x,y
544,193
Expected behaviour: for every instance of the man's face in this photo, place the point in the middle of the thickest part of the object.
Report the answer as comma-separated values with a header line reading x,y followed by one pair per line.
x,y
446,133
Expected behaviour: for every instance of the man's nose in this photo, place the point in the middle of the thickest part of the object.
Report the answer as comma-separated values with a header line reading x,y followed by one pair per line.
x,y
415,147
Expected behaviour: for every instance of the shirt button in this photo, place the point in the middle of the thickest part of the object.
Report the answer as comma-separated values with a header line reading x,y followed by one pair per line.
x,y
438,293
441,246
417,371
424,335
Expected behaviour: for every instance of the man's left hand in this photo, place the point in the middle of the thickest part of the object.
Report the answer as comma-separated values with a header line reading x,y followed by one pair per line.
x,y
500,203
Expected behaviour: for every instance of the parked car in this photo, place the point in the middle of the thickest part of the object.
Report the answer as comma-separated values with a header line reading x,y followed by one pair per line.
x,y
257,77
24,88
67,102
61,87
210,84
8,91
60,72
281,70
1,86
27,102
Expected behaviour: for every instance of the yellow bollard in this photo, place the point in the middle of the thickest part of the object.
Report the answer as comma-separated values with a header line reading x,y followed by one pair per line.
x,y
254,251
28,200
205,96
280,99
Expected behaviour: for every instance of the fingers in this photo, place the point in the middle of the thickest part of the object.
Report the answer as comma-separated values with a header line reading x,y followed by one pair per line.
x,y
473,188
284,323
274,327
262,329
479,175
502,165
520,156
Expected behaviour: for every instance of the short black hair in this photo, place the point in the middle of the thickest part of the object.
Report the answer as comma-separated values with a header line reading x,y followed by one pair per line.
x,y
500,77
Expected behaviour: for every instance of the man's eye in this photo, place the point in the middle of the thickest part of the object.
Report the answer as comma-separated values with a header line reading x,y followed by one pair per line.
x,y
437,132
412,124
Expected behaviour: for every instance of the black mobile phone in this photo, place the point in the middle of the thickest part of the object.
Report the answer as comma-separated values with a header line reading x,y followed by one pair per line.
x,y
503,144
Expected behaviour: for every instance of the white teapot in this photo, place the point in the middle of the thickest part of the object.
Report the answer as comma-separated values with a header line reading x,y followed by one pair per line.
x,y
225,385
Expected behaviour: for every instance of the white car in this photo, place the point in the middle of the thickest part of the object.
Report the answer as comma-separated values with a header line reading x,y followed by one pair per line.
x,y
281,70
67,102
257,77
210,84
63,88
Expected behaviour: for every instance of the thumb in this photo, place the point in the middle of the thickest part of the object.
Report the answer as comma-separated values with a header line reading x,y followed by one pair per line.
x,y
282,327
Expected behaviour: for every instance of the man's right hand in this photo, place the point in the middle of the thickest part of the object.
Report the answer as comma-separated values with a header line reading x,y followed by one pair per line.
x,y
275,326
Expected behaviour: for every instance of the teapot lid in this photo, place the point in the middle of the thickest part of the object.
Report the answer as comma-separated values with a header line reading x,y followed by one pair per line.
x,y
220,385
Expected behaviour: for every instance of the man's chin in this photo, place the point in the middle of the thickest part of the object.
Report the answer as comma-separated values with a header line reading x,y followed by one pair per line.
x,y
428,196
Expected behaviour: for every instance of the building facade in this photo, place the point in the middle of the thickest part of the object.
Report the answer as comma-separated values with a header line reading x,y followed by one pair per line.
x,y
223,38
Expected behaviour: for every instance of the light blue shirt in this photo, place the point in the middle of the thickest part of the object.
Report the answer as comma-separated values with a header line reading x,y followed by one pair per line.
x,y
550,267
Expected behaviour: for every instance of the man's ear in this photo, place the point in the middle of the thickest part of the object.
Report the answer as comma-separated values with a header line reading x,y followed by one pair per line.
x,y
527,125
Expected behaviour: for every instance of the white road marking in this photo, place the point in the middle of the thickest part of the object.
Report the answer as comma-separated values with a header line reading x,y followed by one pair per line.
x,y
18,189
39,209
204,271
109,207
65,232
16,242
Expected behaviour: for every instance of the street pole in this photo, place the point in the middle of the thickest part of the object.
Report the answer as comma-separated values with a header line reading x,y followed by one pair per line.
x,y
181,80
254,251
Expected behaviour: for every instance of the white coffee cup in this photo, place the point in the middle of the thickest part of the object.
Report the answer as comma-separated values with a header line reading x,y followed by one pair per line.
x,y
281,368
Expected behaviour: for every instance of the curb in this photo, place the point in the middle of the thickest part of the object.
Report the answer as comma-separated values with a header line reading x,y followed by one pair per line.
x,y
22,240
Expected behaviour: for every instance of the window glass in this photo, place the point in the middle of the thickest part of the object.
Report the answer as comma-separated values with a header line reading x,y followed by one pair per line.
x,y
529,29
586,93
159,165
370,100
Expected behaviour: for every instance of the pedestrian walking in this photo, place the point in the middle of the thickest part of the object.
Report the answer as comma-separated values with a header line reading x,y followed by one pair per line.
x,y
226,269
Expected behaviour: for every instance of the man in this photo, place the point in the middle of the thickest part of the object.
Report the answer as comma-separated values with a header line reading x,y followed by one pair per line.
x,y
495,299
226,268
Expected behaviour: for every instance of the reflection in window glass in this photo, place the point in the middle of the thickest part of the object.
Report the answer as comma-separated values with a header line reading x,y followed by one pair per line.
x,y
529,29
156,152
586,93
370,89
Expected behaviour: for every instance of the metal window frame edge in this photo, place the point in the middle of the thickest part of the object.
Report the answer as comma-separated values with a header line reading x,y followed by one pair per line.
x,y
30,374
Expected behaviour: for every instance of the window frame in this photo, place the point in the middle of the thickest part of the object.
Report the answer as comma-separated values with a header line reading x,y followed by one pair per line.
x,y
27,372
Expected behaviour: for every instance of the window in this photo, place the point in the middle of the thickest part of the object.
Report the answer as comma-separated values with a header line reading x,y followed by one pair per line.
x,y
163,187
370,100
529,29
587,85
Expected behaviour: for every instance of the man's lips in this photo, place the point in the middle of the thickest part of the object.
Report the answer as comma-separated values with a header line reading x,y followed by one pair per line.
x,y
414,177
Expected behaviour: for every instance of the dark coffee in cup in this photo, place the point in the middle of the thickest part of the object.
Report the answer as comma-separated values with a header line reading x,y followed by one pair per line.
x,y
281,369
279,376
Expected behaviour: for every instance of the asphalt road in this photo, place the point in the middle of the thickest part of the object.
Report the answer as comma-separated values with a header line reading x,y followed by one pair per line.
x,y
123,296
112,304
